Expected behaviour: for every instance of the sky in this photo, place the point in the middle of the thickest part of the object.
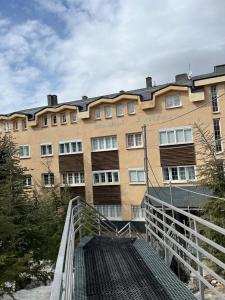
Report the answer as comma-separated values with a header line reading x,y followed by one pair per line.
x,y
73,48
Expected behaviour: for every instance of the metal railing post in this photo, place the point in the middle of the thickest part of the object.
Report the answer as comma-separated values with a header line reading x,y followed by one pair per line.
x,y
79,216
200,270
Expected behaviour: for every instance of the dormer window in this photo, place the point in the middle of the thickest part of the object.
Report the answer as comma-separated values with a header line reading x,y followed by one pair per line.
x,y
54,119
24,124
15,125
97,113
108,111
63,118
45,120
173,101
73,117
119,110
130,108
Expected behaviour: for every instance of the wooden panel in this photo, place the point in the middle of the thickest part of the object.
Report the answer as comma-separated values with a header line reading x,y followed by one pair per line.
x,y
72,162
105,160
107,194
76,191
177,155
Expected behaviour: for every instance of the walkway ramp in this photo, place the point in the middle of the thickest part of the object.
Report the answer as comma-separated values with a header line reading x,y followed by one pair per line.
x,y
123,268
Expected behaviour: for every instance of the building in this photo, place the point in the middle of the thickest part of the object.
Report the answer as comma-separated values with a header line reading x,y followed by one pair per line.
x,y
95,145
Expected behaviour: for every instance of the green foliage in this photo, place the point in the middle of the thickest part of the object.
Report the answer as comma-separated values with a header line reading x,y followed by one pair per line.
x,y
30,224
211,173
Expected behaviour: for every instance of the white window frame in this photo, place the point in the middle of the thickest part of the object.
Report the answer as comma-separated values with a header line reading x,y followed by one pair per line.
x,y
118,114
108,208
97,113
220,139
24,124
175,136
104,138
45,120
80,183
179,180
52,118
15,125
72,118
110,110
49,180
136,170
47,154
26,181
169,97
216,103
62,120
106,182
135,146
25,156
128,110
139,215
70,147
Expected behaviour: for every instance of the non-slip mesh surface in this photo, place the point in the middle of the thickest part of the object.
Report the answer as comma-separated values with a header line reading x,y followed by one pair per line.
x,y
115,270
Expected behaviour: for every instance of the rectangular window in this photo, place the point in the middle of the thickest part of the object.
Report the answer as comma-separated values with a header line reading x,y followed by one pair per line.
x,y
97,113
28,181
104,143
136,176
73,117
24,124
131,108
46,150
73,178
15,125
108,111
110,177
24,151
172,101
214,100
45,120
6,126
70,147
182,173
134,140
48,179
54,119
138,213
63,118
119,110
111,212
217,134
175,136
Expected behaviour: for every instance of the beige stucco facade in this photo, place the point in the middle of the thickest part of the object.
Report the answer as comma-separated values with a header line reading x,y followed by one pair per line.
x,y
195,107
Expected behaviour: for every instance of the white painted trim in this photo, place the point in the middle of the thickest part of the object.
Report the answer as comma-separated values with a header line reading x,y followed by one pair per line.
x,y
106,183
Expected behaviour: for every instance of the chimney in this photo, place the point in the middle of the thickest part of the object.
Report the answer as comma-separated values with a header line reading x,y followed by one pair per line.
x,y
219,69
84,97
52,100
181,78
148,82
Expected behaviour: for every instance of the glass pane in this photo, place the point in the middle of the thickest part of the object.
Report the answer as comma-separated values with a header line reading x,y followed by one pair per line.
x,y
115,177
188,135
95,144
174,173
171,137
49,149
102,177
52,179
131,108
114,142
190,173
109,176
163,137
166,174
97,113
26,151
101,143
43,150
96,178
182,173
108,111
67,146
138,138
180,135
119,110
108,142
130,140
74,147
61,148
133,176
176,101
169,102
70,178
81,177
140,176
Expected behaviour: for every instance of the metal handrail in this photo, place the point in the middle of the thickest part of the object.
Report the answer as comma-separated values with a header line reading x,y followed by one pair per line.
x,y
77,219
159,227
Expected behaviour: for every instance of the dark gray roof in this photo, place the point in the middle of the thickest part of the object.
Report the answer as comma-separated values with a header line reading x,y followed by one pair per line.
x,y
181,198
145,93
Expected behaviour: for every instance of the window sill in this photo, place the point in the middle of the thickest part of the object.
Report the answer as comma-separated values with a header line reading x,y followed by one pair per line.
x,y
72,185
216,112
104,184
49,186
220,153
47,155
64,123
74,122
188,181
137,183
54,125
135,148
44,126
104,150
108,117
178,106
119,116
25,157
131,114
97,119
70,153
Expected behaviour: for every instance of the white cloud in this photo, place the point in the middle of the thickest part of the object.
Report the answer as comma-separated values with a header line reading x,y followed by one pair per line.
x,y
109,45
